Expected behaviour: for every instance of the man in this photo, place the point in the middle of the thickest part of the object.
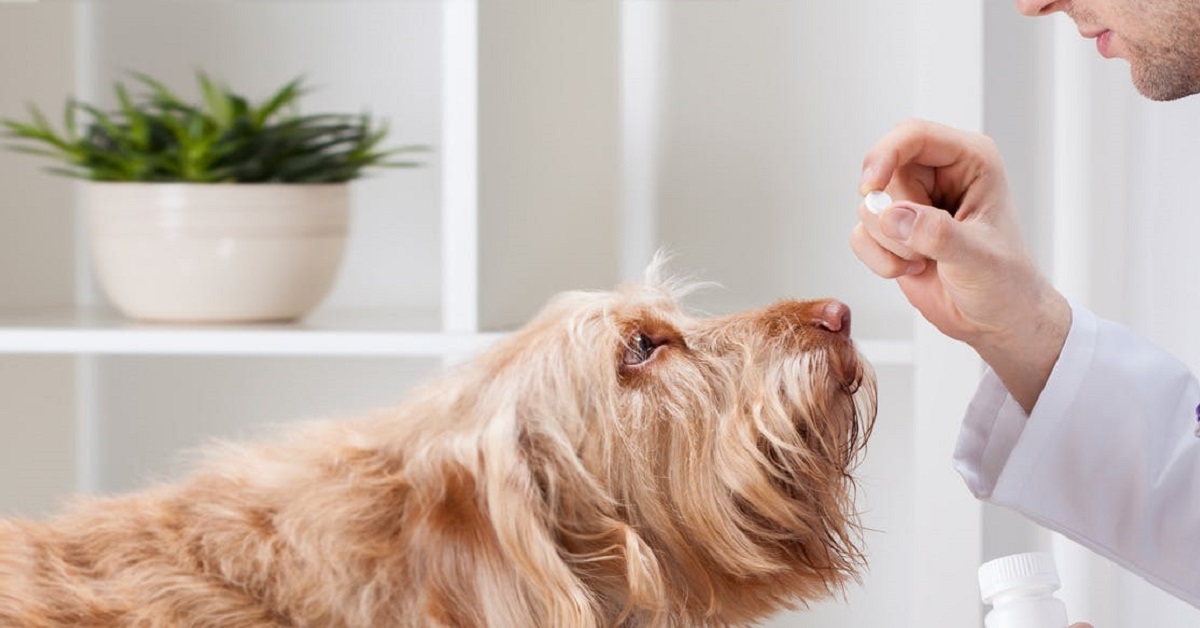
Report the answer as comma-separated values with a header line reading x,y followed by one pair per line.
x,y
1078,424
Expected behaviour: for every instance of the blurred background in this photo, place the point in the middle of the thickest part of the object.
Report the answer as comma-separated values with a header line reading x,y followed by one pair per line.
x,y
571,139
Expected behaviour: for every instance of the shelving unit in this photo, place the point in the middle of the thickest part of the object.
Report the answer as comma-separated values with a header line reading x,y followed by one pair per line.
x,y
573,139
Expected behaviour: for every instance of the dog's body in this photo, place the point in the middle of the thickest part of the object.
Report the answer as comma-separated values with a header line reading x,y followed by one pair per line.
x,y
613,463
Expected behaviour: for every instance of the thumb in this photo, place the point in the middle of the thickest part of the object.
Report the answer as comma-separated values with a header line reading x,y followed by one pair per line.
x,y
929,231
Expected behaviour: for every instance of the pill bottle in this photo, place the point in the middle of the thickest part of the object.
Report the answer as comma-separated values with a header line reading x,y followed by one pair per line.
x,y
1021,589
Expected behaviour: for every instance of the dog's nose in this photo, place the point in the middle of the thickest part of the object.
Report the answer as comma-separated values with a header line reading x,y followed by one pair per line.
x,y
834,316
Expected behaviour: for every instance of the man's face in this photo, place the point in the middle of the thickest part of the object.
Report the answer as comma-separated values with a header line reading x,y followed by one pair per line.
x,y
1159,38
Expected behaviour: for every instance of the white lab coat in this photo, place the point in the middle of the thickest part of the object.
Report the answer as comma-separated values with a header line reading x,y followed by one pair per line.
x,y
1109,456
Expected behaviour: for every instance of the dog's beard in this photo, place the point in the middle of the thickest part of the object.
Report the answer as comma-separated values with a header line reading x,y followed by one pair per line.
x,y
810,435
811,441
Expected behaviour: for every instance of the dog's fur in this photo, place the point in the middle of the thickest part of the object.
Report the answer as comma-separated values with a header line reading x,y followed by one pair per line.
x,y
553,481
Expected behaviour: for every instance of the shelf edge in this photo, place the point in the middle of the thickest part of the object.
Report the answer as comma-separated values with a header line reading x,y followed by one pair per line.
x,y
242,343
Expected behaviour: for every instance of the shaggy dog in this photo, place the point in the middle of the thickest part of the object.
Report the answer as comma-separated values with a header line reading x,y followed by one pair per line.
x,y
615,462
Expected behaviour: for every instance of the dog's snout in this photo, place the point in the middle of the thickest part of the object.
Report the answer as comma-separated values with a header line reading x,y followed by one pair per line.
x,y
833,316
790,317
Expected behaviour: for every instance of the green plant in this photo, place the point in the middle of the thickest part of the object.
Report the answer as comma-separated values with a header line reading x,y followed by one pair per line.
x,y
227,139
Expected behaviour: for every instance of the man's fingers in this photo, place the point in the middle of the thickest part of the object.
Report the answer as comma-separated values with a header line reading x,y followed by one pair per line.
x,y
881,261
920,141
871,224
929,232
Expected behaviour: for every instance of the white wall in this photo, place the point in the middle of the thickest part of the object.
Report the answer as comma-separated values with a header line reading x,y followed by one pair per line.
x,y
36,269
1160,223
765,110
550,131
152,410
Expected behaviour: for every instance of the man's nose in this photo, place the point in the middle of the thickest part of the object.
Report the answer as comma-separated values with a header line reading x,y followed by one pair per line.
x,y
1034,8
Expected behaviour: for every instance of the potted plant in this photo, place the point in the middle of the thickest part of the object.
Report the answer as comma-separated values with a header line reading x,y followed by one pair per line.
x,y
226,211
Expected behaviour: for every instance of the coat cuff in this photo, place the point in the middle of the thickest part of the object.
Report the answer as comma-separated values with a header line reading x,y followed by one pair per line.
x,y
995,422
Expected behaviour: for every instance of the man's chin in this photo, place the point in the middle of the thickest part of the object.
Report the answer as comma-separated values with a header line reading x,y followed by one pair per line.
x,y
1161,85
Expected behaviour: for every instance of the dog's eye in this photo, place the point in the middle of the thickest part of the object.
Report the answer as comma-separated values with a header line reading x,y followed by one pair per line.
x,y
640,348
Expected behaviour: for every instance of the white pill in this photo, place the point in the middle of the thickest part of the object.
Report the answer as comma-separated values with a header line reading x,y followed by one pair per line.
x,y
877,201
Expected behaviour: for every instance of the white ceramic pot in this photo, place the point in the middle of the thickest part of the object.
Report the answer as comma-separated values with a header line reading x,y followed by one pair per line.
x,y
217,253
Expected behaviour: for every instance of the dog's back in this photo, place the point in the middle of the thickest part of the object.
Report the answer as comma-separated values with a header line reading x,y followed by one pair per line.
x,y
236,544
118,562
324,529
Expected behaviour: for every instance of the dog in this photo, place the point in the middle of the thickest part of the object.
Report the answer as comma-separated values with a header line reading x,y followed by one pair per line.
x,y
616,462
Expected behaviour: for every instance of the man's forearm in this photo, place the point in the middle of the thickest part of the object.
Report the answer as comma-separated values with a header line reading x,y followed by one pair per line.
x,y
1023,358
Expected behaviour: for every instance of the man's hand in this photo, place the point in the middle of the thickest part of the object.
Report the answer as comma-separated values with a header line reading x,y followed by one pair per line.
x,y
954,246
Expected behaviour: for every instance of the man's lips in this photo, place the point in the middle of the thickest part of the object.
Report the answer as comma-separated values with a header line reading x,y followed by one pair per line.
x,y
1104,44
1103,37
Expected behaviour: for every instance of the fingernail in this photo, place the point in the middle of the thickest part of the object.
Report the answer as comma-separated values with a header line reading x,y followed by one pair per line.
x,y
866,182
915,268
897,223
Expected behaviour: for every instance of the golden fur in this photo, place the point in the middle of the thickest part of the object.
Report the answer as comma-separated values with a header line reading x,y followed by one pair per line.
x,y
553,481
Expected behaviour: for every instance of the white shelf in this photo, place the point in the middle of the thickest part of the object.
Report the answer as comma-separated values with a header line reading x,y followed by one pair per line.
x,y
334,333
375,333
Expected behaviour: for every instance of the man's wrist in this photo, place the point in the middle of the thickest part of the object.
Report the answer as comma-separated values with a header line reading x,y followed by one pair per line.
x,y
1024,355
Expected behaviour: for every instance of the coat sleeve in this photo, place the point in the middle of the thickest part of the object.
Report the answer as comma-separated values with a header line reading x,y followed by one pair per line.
x,y
1110,455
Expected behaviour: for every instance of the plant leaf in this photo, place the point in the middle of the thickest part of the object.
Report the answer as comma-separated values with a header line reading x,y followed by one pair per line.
x,y
287,95
137,128
218,101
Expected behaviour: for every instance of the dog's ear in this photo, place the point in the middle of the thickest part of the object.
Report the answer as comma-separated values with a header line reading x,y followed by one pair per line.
x,y
647,589
519,516
603,551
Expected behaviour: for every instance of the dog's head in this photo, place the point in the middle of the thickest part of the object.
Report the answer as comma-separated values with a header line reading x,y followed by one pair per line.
x,y
698,468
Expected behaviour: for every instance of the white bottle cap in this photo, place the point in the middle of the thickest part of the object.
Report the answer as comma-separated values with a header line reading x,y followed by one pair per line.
x,y
877,201
1035,569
